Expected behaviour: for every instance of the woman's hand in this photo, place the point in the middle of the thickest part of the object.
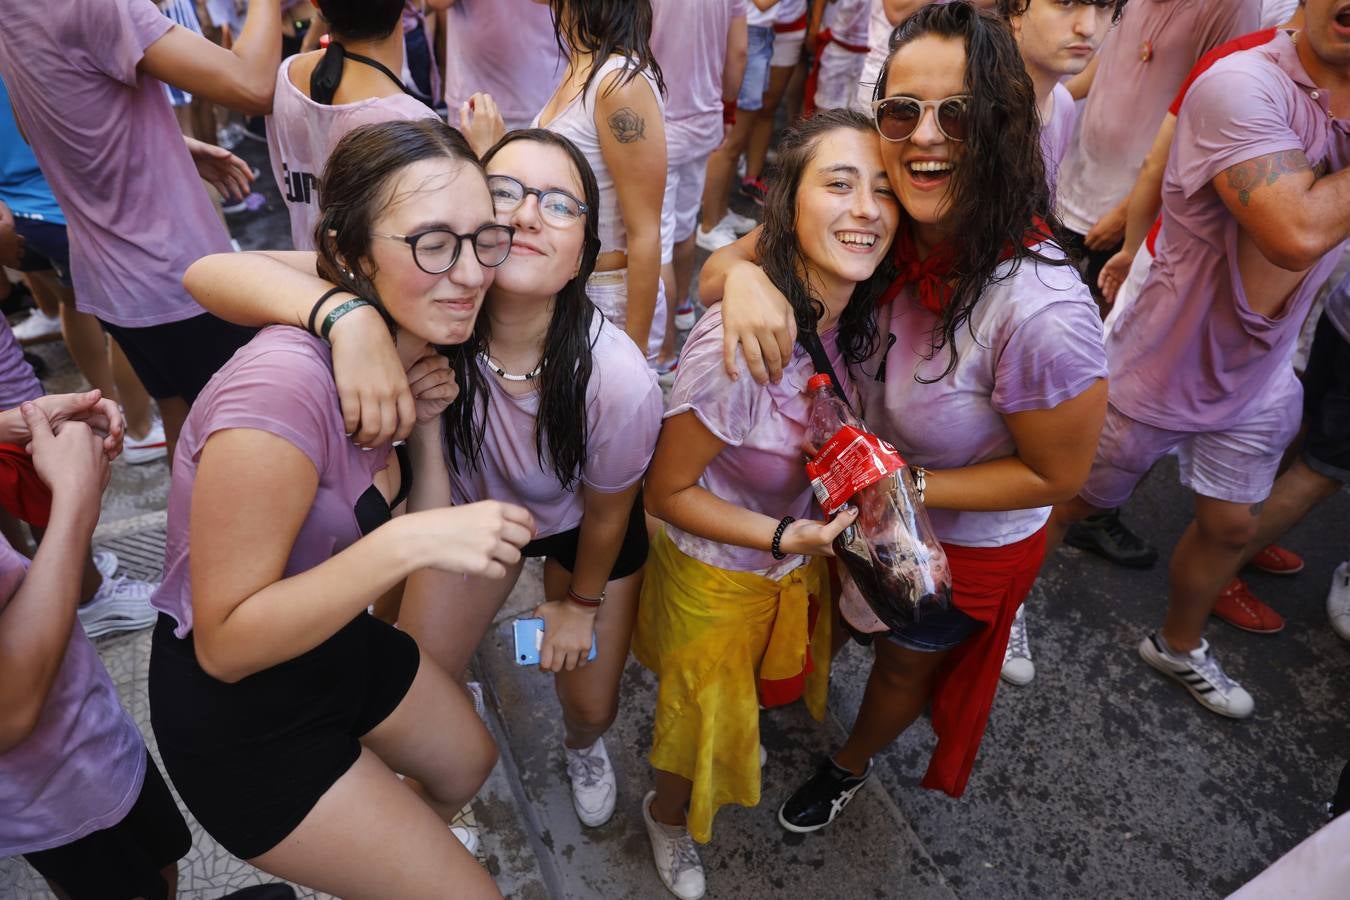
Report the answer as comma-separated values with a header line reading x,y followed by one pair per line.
x,y
481,123
476,539
433,386
1114,273
221,169
377,402
69,460
90,408
569,632
812,538
757,319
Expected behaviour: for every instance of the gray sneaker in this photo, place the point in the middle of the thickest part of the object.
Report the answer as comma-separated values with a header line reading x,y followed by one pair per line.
x,y
1017,665
675,855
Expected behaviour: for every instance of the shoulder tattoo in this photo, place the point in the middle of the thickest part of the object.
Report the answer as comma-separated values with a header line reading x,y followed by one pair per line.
x,y
1248,176
627,126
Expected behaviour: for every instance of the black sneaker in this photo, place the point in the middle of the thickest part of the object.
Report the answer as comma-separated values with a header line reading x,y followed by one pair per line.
x,y
815,804
1106,535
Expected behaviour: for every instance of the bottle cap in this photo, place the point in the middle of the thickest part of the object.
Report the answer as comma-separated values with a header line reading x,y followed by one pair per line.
x,y
819,381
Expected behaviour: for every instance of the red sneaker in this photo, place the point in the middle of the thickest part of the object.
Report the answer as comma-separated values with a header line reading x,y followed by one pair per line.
x,y
1275,560
1239,607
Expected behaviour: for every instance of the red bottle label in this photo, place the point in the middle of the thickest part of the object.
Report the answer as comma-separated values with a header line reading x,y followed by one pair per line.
x,y
850,461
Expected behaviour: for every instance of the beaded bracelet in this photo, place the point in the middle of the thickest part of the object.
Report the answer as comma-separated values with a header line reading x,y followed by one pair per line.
x,y
776,547
341,310
313,326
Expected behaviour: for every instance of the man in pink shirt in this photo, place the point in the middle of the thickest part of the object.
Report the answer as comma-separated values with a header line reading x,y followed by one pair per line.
x,y
1256,206
84,78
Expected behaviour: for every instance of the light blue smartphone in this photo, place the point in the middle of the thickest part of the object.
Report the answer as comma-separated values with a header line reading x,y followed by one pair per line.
x,y
530,637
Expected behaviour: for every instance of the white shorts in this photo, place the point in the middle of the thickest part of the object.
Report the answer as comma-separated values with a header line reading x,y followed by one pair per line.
x,y
840,73
1129,288
679,209
1238,464
609,292
787,48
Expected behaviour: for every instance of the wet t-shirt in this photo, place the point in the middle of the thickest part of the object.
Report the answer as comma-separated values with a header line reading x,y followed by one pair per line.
x,y
689,39
623,418
1057,133
1034,341
763,426
1208,359
111,149
81,769
505,48
281,382
1140,65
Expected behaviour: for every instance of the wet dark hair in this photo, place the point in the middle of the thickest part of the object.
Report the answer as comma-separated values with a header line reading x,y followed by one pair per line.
x,y
362,20
1009,8
604,28
565,370
356,187
779,249
998,189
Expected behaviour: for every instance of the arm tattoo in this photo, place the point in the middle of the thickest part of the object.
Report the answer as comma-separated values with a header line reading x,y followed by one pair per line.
x,y
1246,177
627,126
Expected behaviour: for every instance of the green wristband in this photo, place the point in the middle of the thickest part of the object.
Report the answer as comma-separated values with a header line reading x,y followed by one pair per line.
x,y
341,310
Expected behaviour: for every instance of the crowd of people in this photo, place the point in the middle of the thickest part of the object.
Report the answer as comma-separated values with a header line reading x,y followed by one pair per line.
x,y
469,356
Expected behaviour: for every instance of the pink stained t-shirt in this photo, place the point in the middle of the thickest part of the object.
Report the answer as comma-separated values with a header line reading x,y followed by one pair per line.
x,y
302,133
1034,341
1209,361
623,418
763,426
108,142
82,768
281,382
1129,95
689,40
1057,133
506,48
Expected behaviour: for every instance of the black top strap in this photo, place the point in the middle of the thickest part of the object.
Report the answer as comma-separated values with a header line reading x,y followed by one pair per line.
x,y
327,75
810,342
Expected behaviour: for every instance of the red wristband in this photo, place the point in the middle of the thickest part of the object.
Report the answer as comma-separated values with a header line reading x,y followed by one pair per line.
x,y
728,112
585,602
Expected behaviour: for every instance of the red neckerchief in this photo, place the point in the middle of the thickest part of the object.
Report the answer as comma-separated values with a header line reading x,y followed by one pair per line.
x,y
931,276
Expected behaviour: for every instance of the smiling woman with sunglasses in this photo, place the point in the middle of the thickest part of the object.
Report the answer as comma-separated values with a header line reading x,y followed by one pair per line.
x,y
989,332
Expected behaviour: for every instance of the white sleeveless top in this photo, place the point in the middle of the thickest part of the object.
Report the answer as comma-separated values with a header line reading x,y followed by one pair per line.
x,y
577,123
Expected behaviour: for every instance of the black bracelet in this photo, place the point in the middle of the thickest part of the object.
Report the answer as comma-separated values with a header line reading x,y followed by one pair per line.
x,y
314,311
342,309
775,547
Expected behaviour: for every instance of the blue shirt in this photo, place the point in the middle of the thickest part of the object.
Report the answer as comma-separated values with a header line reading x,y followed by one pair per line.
x,y
22,185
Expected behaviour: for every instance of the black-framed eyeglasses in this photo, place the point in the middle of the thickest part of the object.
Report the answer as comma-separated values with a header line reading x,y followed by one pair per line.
x,y
436,250
557,207
897,118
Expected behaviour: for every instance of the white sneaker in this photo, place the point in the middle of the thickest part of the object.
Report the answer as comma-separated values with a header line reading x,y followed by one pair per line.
x,y
38,327
594,789
675,855
147,449
1017,665
738,223
720,236
465,829
685,317
476,694
106,562
1200,673
1338,601
121,604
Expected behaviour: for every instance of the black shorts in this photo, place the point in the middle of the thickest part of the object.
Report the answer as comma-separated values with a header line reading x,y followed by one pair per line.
x,y
251,759
562,547
177,359
125,860
46,246
1326,403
